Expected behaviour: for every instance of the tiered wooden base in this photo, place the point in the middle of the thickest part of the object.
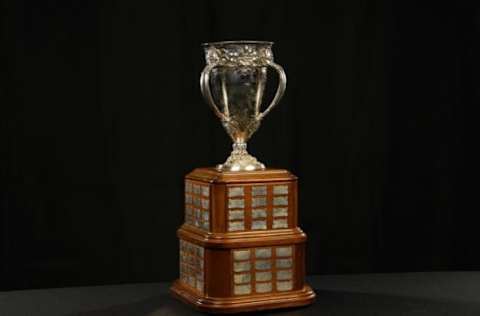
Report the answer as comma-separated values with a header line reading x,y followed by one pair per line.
x,y
240,247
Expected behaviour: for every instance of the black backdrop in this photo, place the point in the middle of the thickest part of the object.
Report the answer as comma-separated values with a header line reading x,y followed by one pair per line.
x,y
102,117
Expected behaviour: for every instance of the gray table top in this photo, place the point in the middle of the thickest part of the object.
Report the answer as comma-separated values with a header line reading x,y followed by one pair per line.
x,y
422,293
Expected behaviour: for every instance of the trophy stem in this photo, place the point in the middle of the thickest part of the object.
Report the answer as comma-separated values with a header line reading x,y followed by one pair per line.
x,y
240,160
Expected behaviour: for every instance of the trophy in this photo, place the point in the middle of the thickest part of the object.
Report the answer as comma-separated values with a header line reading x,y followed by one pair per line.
x,y
237,73
240,246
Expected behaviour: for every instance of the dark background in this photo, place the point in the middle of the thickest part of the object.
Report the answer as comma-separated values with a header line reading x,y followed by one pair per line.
x,y
102,117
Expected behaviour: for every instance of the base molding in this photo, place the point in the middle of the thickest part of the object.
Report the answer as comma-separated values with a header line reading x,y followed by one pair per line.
x,y
241,239
248,303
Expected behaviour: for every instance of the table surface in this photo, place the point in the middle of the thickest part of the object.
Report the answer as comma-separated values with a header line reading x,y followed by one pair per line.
x,y
422,293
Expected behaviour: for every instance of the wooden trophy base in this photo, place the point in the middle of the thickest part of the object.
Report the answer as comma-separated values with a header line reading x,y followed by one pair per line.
x,y
240,247
303,297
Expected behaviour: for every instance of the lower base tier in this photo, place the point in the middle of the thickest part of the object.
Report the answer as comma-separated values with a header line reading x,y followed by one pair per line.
x,y
245,303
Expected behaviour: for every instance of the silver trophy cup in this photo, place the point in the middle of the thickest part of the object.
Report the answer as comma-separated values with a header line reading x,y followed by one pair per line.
x,y
233,84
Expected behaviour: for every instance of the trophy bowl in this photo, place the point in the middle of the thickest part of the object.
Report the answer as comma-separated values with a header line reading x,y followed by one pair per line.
x,y
233,84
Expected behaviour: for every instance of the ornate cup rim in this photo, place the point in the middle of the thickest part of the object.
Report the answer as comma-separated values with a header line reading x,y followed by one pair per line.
x,y
239,53
240,42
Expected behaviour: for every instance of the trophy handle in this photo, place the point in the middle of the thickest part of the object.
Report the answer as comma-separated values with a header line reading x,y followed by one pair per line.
x,y
282,84
207,93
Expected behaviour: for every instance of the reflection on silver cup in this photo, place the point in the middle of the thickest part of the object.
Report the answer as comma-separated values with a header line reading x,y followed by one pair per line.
x,y
233,83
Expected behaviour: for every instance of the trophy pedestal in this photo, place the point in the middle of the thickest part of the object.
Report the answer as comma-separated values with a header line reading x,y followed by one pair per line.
x,y
240,247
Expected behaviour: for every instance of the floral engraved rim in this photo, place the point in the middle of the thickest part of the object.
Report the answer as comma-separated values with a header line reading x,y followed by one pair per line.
x,y
242,42
239,53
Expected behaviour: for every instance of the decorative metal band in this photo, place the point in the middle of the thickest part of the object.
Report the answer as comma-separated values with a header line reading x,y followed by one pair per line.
x,y
235,55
